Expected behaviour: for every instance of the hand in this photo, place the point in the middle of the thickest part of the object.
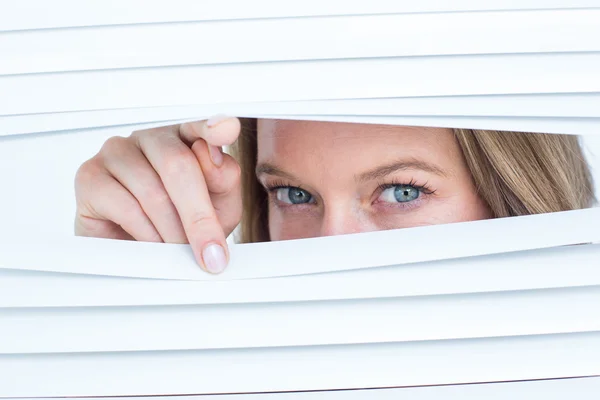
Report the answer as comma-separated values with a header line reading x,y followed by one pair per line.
x,y
171,184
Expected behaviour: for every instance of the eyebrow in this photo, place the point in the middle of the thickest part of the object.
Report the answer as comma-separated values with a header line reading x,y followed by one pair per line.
x,y
400,165
270,169
377,173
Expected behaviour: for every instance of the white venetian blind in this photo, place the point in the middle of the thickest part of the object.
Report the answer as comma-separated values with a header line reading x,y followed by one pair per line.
x,y
508,300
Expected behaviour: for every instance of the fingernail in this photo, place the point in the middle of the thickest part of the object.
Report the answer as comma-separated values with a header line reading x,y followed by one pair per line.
x,y
214,258
216,120
216,154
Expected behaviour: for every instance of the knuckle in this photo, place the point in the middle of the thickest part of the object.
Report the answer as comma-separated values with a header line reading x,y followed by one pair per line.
x,y
114,145
179,162
86,173
130,212
139,132
86,188
202,221
156,196
83,172
147,133
136,136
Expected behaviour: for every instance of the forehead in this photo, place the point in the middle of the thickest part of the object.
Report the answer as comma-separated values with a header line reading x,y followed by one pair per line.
x,y
284,138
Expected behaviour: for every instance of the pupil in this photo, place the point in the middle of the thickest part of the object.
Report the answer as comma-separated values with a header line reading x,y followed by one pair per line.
x,y
404,194
298,196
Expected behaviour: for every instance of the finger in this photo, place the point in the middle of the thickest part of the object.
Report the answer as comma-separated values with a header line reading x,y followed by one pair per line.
x,y
90,227
126,163
102,198
219,130
182,177
223,183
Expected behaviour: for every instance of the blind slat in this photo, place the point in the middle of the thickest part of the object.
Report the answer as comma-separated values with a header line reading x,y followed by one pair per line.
x,y
560,267
143,46
552,106
315,323
496,300
40,14
302,368
316,255
550,389
336,79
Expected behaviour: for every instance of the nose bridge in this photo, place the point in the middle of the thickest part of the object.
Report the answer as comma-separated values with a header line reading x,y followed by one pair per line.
x,y
341,218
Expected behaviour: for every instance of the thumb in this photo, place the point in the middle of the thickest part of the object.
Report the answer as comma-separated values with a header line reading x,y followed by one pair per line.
x,y
222,174
219,130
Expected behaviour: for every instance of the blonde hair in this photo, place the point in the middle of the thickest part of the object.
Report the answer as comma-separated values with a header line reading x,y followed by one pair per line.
x,y
515,173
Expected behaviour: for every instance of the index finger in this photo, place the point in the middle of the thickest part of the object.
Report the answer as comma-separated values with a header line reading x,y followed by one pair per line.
x,y
182,177
220,130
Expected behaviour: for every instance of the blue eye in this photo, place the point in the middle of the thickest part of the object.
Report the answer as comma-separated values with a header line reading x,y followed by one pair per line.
x,y
400,194
293,195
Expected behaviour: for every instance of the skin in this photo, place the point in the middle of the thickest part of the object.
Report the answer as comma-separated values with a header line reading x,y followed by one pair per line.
x,y
350,174
174,184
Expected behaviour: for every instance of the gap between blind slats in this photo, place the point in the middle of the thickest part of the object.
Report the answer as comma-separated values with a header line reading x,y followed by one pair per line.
x,y
302,368
287,81
317,255
561,267
41,14
138,46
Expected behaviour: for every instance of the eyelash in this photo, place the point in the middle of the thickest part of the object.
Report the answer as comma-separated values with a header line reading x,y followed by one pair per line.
x,y
424,188
273,186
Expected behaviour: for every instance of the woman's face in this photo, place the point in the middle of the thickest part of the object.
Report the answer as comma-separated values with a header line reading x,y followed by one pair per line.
x,y
327,178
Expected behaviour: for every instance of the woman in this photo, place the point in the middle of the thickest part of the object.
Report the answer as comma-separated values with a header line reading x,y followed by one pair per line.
x,y
299,179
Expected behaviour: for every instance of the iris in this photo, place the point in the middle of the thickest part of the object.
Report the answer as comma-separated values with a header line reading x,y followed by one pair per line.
x,y
293,195
404,193
400,194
